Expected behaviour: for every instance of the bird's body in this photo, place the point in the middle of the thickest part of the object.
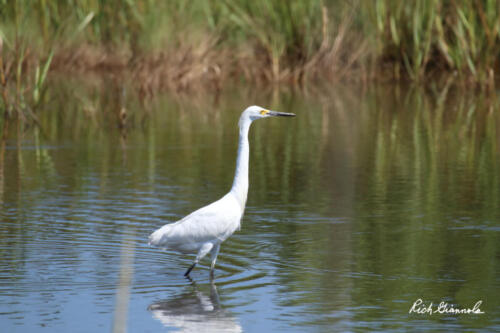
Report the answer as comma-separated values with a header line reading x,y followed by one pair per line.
x,y
205,229
211,224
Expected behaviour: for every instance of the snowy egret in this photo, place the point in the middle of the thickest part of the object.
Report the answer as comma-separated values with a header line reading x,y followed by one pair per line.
x,y
205,229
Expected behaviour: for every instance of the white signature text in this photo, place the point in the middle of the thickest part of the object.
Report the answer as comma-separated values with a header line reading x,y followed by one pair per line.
x,y
420,307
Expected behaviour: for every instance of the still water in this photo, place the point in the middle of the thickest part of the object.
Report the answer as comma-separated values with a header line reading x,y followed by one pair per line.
x,y
367,201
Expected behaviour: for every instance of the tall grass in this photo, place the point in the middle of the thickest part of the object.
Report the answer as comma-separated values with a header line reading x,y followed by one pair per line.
x,y
26,53
422,36
179,43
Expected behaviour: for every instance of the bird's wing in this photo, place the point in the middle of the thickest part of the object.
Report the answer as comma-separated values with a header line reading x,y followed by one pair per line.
x,y
214,222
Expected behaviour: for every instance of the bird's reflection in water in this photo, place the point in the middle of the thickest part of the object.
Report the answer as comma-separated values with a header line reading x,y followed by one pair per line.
x,y
193,311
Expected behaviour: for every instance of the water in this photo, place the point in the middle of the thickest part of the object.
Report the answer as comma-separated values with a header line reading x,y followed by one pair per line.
x,y
364,203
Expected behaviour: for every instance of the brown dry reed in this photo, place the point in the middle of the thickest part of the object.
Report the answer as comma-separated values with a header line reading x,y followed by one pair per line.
x,y
179,45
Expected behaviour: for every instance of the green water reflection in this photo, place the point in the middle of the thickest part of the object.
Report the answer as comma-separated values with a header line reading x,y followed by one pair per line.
x,y
367,201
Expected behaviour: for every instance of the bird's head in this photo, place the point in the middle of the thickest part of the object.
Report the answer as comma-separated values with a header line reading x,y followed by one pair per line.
x,y
254,112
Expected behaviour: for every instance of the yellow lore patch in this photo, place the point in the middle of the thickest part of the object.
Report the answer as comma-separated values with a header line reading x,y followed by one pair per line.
x,y
264,112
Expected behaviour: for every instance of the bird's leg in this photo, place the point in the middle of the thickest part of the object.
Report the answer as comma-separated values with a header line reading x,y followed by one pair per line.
x,y
205,248
190,269
213,254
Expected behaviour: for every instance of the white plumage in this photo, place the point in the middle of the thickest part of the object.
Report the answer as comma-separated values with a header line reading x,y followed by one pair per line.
x,y
205,229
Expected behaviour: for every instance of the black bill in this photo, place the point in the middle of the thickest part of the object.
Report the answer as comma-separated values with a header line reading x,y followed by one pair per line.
x,y
280,114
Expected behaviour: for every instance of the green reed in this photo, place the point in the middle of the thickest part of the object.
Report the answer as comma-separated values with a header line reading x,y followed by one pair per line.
x,y
425,36
269,40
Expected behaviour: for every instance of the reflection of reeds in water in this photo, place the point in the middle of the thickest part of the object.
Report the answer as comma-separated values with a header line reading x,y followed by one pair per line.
x,y
389,175
403,164
446,131
432,176
5,129
411,131
124,284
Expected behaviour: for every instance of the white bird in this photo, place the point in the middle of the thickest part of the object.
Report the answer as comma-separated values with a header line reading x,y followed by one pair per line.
x,y
205,229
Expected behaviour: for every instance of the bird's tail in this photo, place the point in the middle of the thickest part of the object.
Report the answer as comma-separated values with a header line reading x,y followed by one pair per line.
x,y
157,238
154,239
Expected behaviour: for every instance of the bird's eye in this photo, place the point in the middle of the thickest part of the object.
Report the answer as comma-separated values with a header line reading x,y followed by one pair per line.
x,y
263,112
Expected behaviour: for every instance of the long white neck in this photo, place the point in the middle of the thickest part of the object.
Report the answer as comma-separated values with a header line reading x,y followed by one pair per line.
x,y
240,183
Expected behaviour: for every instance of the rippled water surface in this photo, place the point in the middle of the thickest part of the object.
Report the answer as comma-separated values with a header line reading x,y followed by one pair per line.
x,y
364,203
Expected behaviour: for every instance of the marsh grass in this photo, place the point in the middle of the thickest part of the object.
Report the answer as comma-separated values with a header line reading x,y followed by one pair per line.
x,y
424,36
180,45
26,54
